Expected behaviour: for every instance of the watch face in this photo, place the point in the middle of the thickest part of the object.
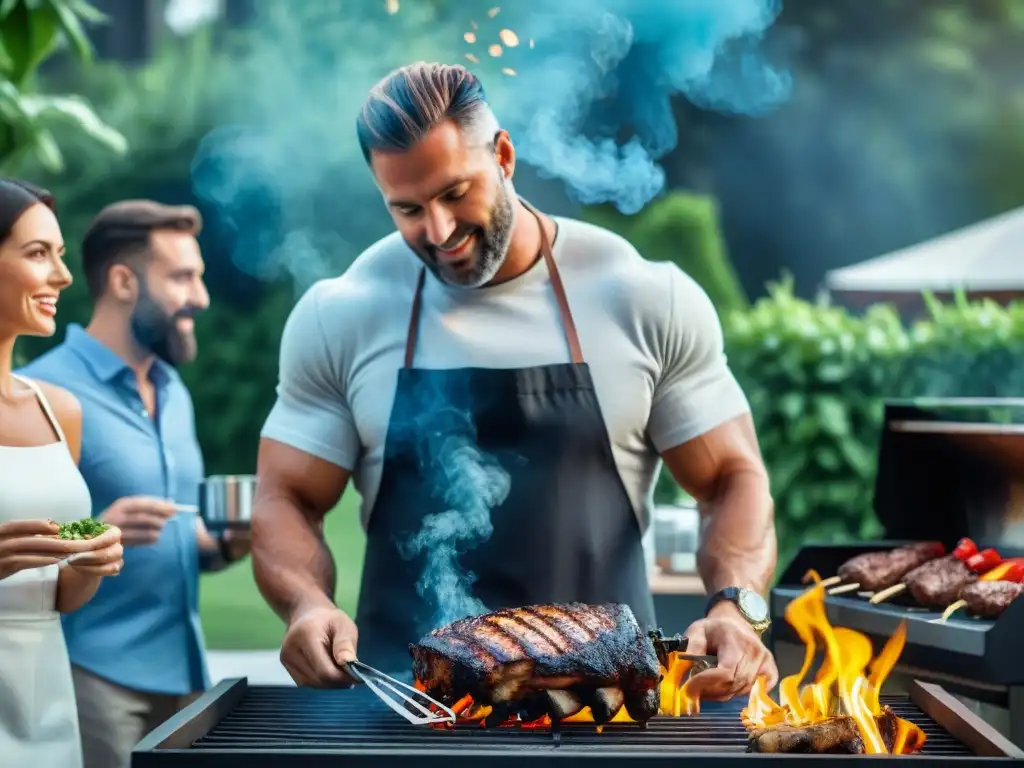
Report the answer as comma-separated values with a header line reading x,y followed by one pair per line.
x,y
753,605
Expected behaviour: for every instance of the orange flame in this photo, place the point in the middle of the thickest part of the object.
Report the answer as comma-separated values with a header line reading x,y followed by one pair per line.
x,y
840,686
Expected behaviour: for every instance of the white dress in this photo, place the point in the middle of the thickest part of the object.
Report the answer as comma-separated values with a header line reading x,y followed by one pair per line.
x,y
38,716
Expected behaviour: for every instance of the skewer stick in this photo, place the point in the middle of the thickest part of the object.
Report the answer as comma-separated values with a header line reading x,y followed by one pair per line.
x,y
953,608
830,581
842,590
885,594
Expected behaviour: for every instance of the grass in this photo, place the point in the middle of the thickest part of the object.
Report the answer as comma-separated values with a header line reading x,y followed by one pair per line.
x,y
236,617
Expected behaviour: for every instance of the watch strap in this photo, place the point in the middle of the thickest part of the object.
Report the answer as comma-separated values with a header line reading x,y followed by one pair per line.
x,y
729,593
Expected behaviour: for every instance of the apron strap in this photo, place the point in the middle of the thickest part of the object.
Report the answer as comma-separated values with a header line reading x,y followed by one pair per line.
x,y
571,336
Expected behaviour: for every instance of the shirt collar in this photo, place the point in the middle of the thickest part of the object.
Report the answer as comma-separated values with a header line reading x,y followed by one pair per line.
x,y
104,362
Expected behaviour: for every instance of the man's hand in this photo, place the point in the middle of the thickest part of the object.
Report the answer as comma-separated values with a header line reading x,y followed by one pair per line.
x,y
318,642
742,657
140,518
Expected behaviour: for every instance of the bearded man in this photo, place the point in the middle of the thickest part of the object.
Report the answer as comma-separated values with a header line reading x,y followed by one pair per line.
x,y
137,649
502,386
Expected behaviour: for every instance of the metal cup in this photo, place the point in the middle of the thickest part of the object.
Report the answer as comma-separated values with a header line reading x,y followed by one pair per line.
x,y
225,501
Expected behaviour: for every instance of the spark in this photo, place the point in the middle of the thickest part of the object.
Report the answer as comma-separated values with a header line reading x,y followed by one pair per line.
x,y
469,37
494,50
509,38
494,12
531,43
509,71
472,58
474,25
391,6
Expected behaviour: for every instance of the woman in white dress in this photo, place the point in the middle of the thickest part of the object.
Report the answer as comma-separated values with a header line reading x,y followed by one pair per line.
x,y
41,576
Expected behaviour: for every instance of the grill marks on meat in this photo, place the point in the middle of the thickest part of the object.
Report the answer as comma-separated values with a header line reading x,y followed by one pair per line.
x,y
509,659
875,571
938,582
988,599
835,736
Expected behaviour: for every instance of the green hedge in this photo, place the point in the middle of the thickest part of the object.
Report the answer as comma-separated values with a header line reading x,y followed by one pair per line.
x,y
817,378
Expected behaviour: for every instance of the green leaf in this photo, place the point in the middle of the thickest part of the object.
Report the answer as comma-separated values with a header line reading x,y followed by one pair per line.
x,y
832,412
71,26
6,6
87,12
77,111
48,152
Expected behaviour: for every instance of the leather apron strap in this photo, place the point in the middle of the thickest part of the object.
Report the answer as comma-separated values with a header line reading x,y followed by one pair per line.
x,y
569,326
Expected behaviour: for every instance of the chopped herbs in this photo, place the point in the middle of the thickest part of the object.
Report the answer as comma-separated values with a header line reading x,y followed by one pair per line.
x,y
87,528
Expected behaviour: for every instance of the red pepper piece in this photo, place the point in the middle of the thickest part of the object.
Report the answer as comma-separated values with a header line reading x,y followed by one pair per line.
x,y
1015,574
965,548
984,561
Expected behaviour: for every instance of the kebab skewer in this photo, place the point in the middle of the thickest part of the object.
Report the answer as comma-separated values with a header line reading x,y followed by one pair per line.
x,y
938,582
991,594
875,571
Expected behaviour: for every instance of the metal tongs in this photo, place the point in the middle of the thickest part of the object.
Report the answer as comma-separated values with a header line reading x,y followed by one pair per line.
x,y
400,696
665,646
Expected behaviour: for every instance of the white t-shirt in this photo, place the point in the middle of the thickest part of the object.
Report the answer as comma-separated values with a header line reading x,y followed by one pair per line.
x,y
649,333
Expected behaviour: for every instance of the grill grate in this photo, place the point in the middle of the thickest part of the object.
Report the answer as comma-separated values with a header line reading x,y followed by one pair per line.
x,y
353,721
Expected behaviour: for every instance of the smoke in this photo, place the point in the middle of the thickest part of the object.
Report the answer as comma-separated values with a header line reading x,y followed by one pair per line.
x,y
467,483
589,105
590,102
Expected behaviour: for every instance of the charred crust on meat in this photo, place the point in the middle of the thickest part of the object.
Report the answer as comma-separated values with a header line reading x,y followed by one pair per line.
x,y
835,736
596,653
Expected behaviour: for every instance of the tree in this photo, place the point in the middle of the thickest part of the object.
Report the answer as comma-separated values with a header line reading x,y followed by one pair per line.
x,y
31,32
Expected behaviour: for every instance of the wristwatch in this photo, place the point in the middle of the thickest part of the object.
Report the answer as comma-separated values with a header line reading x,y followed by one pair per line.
x,y
751,606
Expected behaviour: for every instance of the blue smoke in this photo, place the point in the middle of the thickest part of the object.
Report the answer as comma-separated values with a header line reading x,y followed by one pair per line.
x,y
590,105
438,430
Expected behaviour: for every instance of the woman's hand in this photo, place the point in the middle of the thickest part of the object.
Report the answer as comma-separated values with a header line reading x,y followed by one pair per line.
x,y
105,558
82,574
26,544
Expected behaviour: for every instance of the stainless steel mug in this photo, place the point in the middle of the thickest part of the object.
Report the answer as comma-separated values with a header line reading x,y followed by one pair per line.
x,y
225,501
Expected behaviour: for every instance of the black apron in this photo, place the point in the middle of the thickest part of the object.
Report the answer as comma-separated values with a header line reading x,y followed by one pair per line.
x,y
532,444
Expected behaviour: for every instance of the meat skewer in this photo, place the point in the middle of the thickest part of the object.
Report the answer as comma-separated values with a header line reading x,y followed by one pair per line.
x,y
938,582
990,595
873,571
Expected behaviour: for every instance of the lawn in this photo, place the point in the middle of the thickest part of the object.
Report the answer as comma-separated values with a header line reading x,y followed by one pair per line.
x,y
234,614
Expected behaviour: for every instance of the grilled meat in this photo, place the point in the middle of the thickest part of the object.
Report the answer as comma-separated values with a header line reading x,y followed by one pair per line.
x,y
555,658
836,736
938,582
988,599
875,571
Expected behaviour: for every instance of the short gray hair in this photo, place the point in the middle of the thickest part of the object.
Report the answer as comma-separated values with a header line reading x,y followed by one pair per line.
x,y
410,101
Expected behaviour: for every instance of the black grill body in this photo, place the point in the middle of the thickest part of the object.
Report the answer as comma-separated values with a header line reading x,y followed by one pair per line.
x,y
238,725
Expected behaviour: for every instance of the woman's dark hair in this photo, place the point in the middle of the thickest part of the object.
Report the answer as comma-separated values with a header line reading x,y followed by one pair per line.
x,y
16,197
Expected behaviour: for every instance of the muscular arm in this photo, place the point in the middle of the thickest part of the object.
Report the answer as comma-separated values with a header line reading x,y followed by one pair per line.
x,y
722,469
701,425
293,566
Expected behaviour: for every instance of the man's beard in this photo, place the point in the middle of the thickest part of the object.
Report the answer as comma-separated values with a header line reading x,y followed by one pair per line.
x,y
491,246
157,331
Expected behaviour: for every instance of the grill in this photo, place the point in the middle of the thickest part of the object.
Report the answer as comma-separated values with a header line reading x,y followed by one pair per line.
x,y
235,724
946,469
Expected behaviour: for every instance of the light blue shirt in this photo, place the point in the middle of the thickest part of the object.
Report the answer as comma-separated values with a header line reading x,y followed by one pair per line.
x,y
142,629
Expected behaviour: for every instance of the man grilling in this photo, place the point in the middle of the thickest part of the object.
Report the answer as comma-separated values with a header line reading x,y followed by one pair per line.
x,y
546,344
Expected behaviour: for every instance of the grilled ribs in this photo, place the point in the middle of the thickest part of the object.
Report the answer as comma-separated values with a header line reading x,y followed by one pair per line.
x,y
938,582
543,659
988,599
837,736
875,571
